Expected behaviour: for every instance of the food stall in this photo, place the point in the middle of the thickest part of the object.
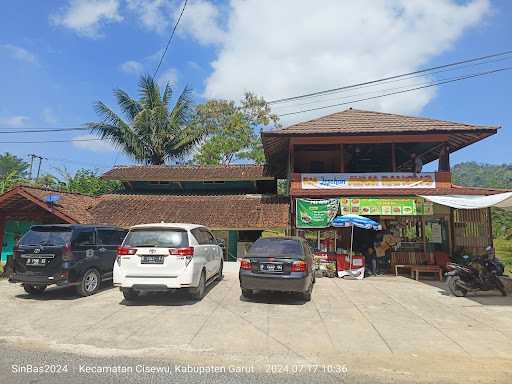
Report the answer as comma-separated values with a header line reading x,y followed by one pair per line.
x,y
420,229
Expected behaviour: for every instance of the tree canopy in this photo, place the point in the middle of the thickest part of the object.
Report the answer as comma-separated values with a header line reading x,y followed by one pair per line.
x,y
233,130
11,164
152,131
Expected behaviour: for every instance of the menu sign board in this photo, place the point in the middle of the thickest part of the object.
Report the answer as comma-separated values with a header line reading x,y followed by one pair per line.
x,y
388,180
385,207
315,213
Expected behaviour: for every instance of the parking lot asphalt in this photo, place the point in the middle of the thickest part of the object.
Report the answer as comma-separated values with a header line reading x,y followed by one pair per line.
x,y
383,327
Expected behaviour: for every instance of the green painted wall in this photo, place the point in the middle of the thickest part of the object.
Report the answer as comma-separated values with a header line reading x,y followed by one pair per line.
x,y
192,186
232,245
14,229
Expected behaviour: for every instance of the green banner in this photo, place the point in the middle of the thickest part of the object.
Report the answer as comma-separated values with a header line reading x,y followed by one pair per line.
x,y
315,213
383,207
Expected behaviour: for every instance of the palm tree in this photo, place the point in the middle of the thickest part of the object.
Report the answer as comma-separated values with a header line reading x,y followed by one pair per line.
x,y
152,132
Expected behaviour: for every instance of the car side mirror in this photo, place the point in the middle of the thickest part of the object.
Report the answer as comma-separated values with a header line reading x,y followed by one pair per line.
x,y
220,243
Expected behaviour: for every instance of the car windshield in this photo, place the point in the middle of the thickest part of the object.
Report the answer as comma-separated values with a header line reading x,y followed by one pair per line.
x,y
46,236
161,238
276,248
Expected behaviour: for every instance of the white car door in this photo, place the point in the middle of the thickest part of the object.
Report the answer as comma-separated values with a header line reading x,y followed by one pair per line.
x,y
202,250
213,261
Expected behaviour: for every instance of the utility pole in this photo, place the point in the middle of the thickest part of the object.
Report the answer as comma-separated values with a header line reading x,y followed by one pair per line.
x,y
40,158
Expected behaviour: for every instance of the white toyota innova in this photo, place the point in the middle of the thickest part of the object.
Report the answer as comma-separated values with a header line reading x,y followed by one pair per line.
x,y
167,256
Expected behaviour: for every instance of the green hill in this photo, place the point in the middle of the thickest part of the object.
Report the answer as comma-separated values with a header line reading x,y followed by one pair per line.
x,y
483,175
493,176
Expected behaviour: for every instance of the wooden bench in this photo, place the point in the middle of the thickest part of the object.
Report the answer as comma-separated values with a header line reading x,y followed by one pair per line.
x,y
407,260
417,269
416,262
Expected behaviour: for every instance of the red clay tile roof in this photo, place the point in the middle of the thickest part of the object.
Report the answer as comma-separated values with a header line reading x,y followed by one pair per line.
x,y
214,211
188,173
71,207
355,121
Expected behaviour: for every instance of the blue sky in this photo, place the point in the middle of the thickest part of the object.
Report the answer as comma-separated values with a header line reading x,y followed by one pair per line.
x,y
58,57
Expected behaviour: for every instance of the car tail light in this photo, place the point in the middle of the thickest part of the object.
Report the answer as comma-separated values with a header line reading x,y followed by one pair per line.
x,y
123,251
245,264
184,251
299,266
67,253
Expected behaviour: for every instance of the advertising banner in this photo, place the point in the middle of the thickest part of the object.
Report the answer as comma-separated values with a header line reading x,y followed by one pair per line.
x,y
368,180
385,207
315,213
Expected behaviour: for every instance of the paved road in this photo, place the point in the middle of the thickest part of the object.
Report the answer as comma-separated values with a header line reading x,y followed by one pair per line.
x,y
388,327
79,369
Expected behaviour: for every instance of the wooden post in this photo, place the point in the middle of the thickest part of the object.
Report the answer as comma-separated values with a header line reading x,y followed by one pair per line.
x,y
452,234
489,221
290,173
2,230
342,159
393,157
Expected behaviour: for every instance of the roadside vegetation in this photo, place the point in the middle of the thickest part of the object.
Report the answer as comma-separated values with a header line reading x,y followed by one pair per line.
x,y
14,171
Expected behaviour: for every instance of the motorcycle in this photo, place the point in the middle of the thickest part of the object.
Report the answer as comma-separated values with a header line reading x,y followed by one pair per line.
x,y
477,274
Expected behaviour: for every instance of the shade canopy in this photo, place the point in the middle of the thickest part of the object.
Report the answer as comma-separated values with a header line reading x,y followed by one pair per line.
x,y
355,221
500,200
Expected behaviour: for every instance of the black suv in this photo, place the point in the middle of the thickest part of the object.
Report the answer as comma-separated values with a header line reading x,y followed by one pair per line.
x,y
66,254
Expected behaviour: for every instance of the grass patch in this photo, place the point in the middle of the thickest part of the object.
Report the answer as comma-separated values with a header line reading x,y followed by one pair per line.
x,y
504,252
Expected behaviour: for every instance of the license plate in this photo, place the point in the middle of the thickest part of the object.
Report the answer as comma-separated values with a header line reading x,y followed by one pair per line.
x,y
271,268
152,260
36,262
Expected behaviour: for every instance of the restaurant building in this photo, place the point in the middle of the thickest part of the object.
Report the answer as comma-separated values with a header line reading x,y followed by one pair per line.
x,y
347,162
365,163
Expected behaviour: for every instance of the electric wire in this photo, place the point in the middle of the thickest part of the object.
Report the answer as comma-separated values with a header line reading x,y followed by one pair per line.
x,y
426,70
170,39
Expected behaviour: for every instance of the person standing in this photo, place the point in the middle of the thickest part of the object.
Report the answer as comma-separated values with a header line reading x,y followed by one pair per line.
x,y
370,261
383,252
417,163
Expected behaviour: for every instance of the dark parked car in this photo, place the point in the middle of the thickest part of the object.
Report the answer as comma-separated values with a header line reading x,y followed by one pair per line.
x,y
66,255
282,264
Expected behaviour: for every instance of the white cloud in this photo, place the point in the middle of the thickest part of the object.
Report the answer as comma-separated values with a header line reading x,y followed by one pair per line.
x,y
92,145
18,53
169,76
85,17
153,14
201,21
49,116
14,121
290,47
195,66
132,67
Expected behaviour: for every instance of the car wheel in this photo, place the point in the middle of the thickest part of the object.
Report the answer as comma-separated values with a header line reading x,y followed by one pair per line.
x,y
34,289
130,294
90,283
247,293
198,293
307,295
454,288
221,268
